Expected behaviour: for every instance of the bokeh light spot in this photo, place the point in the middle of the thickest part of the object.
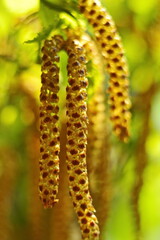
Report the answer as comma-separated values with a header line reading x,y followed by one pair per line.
x,y
8,115
142,7
21,6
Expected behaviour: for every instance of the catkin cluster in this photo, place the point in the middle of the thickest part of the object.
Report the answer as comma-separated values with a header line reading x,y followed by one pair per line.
x,y
49,130
76,112
77,140
111,47
76,115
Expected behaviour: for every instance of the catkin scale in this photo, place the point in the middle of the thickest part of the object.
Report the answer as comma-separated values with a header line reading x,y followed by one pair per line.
x,y
49,130
77,140
111,47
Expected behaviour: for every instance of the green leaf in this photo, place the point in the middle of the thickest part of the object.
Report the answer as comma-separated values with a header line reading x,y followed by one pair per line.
x,y
41,35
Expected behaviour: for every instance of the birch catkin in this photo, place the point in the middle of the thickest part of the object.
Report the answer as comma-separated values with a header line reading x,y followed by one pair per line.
x,y
98,147
141,158
35,209
8,171
112,50
49,130
77,140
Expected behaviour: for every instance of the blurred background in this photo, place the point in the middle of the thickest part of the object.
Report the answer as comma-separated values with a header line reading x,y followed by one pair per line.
x,y
134,166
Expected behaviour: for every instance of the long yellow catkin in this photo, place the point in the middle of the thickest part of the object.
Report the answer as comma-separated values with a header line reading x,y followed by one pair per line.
x,y
98,160
98,147
8,166
35,209
96,109
49,130
77,140
110,44
141,159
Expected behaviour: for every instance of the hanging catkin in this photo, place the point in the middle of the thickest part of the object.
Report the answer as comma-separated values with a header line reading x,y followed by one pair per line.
x,y
141,158
8,171
49,130
31,133
110,44
96,108
98,146
77,140
98,157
